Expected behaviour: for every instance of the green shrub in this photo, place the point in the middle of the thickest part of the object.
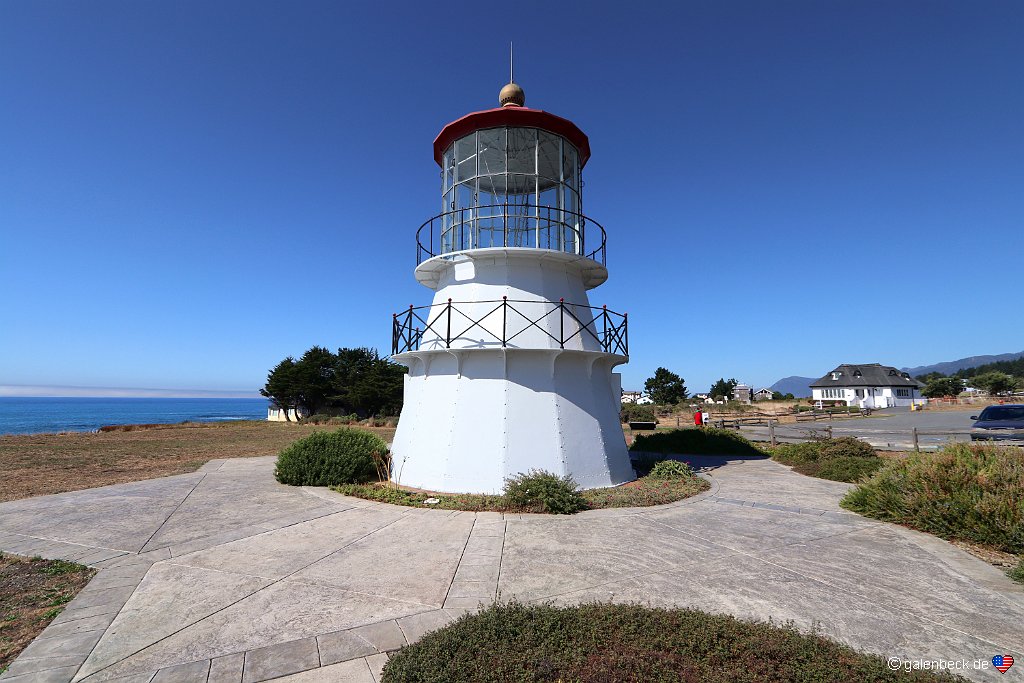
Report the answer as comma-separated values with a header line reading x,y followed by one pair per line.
x,y
632,412
850,469
670,469
318,419
823,449
965,491
846,447
330,458
693,441
797,453
842,459
544,490
609,643
1017,573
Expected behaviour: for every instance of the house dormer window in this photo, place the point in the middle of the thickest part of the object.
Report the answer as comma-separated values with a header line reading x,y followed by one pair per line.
x,y
893,373
835,375
857,373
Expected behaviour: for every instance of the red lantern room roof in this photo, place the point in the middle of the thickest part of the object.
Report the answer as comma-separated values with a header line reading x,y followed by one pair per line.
x,y
520,117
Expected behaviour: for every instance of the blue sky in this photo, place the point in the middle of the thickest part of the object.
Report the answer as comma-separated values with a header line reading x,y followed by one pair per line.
x,y
191,191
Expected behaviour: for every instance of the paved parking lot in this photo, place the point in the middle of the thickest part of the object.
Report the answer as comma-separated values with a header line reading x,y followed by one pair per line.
x,y
890,428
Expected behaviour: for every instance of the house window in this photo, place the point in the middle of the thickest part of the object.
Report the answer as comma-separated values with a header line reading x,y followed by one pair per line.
x,y
903,393
832,393
860,393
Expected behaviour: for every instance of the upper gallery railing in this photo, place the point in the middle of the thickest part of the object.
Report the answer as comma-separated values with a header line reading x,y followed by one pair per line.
x,y
507,225
440,325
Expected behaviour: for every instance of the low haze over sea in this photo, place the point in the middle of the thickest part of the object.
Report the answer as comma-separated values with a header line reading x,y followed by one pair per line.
x,y
35,415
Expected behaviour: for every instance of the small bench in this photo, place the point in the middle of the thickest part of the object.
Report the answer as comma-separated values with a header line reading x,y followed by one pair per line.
x,y
643,426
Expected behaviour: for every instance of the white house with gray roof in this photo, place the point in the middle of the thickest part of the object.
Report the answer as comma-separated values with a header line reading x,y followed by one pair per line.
x,y
870,385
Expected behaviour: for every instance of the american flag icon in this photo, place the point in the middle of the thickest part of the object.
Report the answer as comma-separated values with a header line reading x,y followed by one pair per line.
x,y
1002,662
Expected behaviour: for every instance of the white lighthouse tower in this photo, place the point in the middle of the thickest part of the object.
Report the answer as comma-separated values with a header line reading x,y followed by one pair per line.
x,y
510,367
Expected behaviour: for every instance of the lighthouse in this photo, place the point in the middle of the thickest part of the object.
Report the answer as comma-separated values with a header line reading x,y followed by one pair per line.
x,y
511,368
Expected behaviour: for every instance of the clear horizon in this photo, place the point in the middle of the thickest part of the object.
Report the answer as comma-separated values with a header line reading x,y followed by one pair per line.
x,y
64,391
196,190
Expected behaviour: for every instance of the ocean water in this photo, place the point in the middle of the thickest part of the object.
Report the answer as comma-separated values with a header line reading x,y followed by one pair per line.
x,y
37,415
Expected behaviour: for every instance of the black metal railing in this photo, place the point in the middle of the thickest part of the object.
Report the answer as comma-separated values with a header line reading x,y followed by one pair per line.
x,y
508,225
443,324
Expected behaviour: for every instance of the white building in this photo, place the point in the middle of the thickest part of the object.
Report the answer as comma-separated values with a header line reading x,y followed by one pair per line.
x,y
869,386
510,368
278,414
636,397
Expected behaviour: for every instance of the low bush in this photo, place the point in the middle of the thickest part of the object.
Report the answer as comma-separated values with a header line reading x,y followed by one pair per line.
x,y
845,469
693,441
841,459
643,492
632,412
670,469
1017,573
968,492
823,449
608,643
330,458
544,490
470,502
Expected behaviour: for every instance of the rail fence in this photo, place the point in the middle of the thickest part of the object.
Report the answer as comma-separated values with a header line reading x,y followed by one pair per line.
x,y
510,225
450,322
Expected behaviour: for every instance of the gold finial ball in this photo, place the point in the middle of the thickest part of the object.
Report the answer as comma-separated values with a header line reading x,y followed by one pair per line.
x,y
512,96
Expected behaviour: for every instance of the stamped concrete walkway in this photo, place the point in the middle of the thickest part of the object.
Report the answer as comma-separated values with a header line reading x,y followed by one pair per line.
x,y
226,576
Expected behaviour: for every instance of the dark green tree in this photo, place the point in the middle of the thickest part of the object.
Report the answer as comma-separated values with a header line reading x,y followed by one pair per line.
x,y
938,387
1010,367
666,387
282,386
315,372
349,381
723,388
995,383
367,384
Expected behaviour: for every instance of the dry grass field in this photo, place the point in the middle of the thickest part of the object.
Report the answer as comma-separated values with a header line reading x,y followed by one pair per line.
x,y
32,593
40,464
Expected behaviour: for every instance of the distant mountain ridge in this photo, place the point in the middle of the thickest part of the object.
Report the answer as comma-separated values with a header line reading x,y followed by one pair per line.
x,y
949,367
798,386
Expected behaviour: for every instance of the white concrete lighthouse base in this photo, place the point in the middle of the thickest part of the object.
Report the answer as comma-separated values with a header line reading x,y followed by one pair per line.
x,y
473,417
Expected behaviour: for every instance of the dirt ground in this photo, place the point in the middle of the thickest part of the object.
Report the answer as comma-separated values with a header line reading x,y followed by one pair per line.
x,y
32,593
40,464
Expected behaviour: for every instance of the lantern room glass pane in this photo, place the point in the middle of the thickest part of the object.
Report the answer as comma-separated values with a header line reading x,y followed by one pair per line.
x,y
511,187
522,150
448,172
465,158
570,174
548,158
492,151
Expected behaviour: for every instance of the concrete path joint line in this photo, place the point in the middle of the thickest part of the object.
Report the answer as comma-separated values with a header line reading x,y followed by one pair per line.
x,y
176,508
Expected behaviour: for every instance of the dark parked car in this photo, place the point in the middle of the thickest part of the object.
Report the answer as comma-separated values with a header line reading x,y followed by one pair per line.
x,y
999,423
